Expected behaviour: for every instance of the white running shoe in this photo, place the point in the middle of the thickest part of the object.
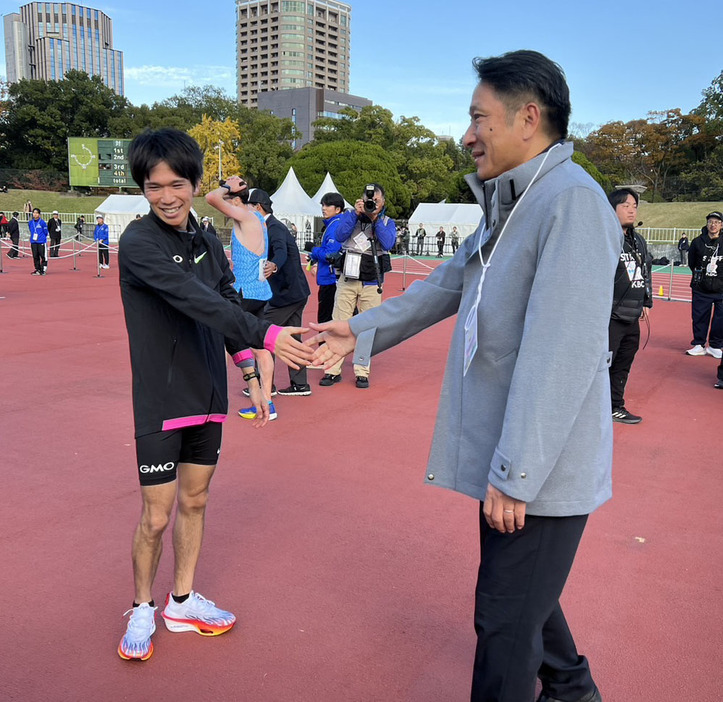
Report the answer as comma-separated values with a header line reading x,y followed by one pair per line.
x,y
136,645
697,350
196,614
716,353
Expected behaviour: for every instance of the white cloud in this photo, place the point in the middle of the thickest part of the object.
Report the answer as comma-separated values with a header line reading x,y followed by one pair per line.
x,y
178,76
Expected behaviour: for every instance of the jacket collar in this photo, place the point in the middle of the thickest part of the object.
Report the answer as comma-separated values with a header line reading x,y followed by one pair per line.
x,y
498,196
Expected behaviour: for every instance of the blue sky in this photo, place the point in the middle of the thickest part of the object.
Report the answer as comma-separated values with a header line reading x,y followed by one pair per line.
x,y
415,58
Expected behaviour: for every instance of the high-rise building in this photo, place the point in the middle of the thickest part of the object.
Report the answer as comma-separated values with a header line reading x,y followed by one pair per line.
x,y
283,44
45,40
303,106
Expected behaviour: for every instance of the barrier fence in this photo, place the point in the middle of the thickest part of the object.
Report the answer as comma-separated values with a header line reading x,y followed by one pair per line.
x,y
71,247
669,282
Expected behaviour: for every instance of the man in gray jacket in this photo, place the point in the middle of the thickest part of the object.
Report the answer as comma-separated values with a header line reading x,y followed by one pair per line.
x,y
524,421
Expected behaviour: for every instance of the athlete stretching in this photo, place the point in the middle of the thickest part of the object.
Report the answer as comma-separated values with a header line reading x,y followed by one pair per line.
x,y
181,310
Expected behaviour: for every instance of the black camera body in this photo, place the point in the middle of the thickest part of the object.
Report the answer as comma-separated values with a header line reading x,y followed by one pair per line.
x,y
369,204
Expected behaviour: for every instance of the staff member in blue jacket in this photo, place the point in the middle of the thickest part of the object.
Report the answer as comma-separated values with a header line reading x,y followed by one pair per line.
x,y
332,206
100,234
38,238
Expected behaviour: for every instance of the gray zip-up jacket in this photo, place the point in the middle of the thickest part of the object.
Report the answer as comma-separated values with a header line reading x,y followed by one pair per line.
x,y
532,414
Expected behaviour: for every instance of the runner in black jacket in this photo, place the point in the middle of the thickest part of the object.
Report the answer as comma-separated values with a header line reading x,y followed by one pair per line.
x,y
176,287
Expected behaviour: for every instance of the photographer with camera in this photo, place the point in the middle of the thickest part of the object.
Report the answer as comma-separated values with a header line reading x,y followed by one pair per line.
x,y
366,235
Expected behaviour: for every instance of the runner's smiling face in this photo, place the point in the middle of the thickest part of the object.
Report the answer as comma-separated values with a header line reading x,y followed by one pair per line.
x,y
169,195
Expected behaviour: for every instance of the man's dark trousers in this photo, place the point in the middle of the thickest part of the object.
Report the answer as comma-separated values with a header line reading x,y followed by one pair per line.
x,y
39,259
521,630
326,303
289,316
700,311
624,342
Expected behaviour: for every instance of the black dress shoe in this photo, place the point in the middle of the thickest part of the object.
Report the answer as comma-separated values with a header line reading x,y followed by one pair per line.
x,y
593,696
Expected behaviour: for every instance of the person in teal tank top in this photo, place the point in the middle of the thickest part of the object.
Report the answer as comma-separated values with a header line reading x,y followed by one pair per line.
x,y
249,251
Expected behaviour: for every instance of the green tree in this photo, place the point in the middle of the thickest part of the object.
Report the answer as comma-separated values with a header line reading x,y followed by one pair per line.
x,y
427,166
41,115
353,164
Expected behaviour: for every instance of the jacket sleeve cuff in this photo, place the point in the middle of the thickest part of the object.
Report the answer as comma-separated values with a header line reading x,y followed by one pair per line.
x,y
243,358
271,336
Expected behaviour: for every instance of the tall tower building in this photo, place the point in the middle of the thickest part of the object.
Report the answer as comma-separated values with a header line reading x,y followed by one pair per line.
x,y
283,44
46,39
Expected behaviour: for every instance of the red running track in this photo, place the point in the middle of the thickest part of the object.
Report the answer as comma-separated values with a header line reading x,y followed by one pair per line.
x,y
351,580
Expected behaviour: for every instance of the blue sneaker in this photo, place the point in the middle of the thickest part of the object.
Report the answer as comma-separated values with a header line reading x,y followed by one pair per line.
x,y
250,412
196,614
136,645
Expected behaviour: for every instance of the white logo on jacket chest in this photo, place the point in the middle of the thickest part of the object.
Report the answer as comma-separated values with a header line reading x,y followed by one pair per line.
x,y
178,259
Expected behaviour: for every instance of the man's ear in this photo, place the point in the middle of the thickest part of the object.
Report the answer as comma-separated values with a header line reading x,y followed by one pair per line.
x,y
531,116
197,189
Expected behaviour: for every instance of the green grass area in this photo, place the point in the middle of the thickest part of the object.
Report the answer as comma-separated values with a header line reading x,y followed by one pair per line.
x,y
48,201
688,215
685,215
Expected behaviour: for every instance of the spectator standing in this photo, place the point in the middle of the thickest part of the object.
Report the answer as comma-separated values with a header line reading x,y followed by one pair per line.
x,y
420,235
206,226
405,240
454,240
100,234
705,259
322,256
3,225
38,240
441,236
13,229
78,226
683,247
632,292
55,233
28,209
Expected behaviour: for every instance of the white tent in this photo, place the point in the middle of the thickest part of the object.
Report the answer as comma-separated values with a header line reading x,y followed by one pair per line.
x,y
434,215
293,206
119,211
327,187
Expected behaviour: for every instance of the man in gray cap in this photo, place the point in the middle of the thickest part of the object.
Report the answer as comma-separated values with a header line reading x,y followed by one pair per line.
x,y
705,260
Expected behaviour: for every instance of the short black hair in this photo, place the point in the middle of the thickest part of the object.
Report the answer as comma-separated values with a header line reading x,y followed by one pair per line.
x,y
15,214
37,209
519,76
333,200
180,151
617,197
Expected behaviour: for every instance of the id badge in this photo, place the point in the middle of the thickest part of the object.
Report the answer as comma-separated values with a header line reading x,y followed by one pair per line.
x,y
262,264
352,264
470,338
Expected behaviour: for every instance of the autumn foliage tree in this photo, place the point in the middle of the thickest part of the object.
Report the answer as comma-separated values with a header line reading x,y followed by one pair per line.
x,y
219,141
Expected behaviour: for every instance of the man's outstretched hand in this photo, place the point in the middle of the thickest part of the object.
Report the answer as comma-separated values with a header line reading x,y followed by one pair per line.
x,y
335,340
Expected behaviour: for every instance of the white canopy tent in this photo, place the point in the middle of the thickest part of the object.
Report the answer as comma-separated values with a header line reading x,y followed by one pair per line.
x,y
119,211
327,187
292,205
434,215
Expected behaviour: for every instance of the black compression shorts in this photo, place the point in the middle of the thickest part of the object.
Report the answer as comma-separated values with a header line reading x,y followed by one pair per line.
x,y
159,454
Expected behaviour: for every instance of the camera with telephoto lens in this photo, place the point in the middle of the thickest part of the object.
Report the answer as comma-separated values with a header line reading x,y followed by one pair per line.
x,y
369,204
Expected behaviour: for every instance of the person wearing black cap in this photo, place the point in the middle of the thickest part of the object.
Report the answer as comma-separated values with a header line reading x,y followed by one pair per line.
x,y
289,287
705,259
